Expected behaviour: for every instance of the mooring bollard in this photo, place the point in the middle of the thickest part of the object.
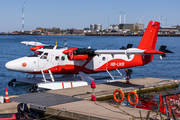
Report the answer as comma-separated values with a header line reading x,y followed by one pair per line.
x,y
93,86
93,98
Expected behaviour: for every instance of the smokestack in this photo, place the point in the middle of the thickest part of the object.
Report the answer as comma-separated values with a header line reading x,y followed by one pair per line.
x,y
23,16
119,19
22,20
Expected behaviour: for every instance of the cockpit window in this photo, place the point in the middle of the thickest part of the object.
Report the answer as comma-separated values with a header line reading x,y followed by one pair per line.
x,y
36,54
44,56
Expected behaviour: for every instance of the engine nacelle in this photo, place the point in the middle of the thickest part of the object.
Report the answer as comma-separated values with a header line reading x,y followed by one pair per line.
x,y
37,47
72,56
77,57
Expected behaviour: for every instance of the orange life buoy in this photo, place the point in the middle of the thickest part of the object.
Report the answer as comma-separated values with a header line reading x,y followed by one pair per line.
x,y
114,95
129,100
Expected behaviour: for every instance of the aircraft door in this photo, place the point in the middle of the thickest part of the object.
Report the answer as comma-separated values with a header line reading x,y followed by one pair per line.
x,y
43,60
103,61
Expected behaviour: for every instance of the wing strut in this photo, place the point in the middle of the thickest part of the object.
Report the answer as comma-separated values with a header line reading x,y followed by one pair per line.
x,y
89,59
86,77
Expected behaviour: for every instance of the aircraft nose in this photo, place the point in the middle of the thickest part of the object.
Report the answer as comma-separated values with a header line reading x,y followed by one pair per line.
x,y
10,65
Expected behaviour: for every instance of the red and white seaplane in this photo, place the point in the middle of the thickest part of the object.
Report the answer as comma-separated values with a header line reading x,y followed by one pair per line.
x,y
56,60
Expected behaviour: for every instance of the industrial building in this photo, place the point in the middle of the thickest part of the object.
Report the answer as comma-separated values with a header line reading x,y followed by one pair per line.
x,y
114,27
81,31
126,27
169,30
95,27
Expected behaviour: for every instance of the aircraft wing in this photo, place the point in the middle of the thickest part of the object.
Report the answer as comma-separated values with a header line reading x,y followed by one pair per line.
x,y
32,43
130,51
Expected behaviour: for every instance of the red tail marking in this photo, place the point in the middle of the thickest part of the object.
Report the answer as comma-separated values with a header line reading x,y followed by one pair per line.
x,y
149,38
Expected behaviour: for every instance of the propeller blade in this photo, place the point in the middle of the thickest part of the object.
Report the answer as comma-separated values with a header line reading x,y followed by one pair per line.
x,y
65,43
128,46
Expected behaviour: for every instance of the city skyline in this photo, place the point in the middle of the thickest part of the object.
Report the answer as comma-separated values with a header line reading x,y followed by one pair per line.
x,y
80,14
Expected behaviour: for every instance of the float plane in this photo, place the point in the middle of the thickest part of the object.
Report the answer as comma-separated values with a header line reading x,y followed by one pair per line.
x,y
58,60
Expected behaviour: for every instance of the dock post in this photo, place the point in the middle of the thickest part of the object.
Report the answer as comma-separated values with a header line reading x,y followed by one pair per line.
x,y
147,118
174,114
93,86
140,114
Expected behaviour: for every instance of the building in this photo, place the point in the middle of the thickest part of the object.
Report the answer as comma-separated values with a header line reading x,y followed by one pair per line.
x,y
114,27
169,30
95,27
92,26
81,31
127,27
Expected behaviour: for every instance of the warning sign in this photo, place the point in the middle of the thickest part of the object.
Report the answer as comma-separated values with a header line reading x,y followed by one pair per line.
x,y
173,102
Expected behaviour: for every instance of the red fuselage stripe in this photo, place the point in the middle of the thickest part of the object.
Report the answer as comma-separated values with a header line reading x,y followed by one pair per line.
x,y
62,85
71,84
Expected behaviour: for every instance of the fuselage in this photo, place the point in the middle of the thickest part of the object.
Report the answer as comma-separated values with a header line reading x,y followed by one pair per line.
x,y
74,60
58,62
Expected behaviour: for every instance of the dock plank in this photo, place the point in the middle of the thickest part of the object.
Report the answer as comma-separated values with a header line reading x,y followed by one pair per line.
x,y
98,111
70,102
44,99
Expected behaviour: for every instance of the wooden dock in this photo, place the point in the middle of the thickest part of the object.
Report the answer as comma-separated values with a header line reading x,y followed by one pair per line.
x,y
74,103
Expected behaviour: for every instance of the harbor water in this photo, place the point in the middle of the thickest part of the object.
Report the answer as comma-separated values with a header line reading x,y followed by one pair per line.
x,y
11,49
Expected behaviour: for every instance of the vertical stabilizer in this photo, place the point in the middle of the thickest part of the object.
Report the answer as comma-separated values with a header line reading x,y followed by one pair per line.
x,y
149,38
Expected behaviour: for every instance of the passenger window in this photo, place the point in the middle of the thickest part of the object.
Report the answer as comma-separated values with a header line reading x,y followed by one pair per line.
x,y
57,58
44,56
62,58
103,58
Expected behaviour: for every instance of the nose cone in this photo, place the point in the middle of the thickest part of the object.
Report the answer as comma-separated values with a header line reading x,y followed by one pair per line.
x,y
24,64
11,65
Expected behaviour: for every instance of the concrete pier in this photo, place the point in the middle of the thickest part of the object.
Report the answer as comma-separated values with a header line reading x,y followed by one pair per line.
x,y
74,103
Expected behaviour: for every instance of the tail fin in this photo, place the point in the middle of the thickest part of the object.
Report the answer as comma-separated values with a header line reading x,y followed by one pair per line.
x,y
149,38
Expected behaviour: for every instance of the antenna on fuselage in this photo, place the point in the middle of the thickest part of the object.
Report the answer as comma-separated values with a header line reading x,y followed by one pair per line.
x,y
55,45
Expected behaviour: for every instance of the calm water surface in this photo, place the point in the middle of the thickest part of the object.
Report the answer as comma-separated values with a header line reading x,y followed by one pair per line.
x,y
12,49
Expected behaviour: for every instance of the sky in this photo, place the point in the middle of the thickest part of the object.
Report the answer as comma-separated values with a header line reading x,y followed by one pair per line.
x,y
79,14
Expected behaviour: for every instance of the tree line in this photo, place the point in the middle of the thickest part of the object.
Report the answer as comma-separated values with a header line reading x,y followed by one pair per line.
x,y
54,29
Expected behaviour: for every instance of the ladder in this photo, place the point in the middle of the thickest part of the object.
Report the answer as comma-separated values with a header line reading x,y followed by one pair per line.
x,y
44,78
119,74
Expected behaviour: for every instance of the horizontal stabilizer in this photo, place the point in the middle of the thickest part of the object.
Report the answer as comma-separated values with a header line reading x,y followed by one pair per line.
x,y
163,49
31,43
153,52
85,77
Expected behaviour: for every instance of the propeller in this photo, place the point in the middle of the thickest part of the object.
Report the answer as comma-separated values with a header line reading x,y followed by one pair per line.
x,y
128,46
163,49
36,39
65,43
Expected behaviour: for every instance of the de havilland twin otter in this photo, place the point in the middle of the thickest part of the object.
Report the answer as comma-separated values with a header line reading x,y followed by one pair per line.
x,y
56,60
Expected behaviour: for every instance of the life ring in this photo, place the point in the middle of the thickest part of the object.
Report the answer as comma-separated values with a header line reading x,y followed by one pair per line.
x,y
114,95
129,100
